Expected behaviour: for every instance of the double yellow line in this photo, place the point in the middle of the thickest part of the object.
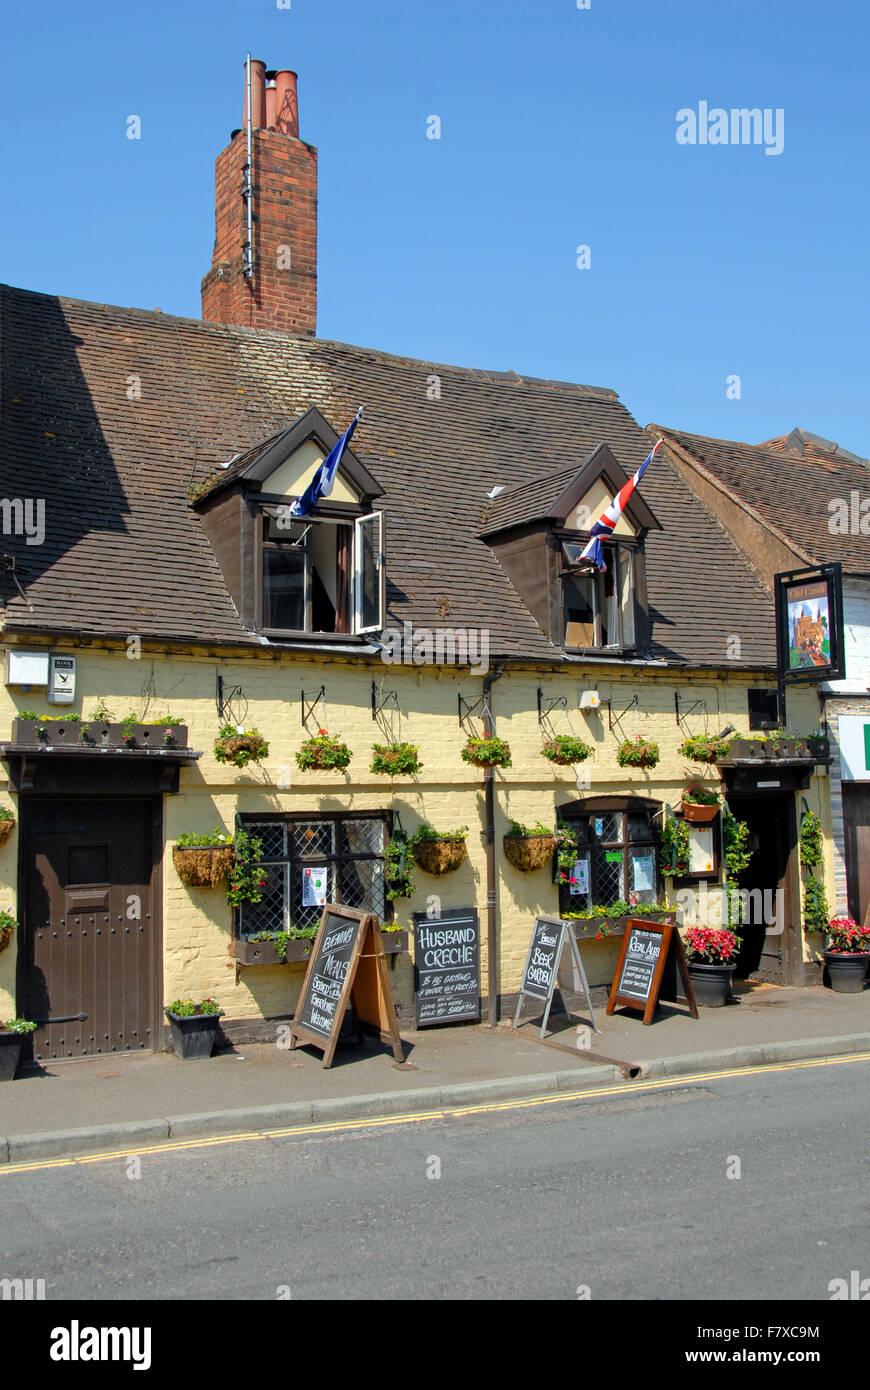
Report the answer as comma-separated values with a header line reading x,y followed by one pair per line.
x,y
418,1117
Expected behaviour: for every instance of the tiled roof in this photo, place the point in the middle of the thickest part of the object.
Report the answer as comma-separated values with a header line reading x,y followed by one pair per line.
x,y
788,491
812,446
111,414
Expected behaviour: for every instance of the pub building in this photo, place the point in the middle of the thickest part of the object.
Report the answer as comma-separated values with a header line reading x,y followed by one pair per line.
x,y
435,593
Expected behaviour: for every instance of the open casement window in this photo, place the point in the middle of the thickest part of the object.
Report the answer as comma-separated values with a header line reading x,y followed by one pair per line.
x,y
368,575
310,860
322,575
616,860
599,609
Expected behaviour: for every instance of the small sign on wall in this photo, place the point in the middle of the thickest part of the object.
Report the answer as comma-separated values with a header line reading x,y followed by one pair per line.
x,y
701,849
61,680
854,730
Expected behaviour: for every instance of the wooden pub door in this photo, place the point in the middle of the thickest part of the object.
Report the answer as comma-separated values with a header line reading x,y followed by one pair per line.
x,y
92,893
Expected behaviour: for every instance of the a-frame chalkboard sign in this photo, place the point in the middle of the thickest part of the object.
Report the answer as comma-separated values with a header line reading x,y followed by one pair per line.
x,y
347,966
545,966
647,949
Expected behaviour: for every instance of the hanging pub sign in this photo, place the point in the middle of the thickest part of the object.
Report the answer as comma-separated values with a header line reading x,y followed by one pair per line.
x,y
447,967
553,958
648,950
347,967
809,624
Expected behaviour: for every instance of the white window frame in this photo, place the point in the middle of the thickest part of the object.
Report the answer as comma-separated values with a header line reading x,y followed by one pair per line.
x,y
358,551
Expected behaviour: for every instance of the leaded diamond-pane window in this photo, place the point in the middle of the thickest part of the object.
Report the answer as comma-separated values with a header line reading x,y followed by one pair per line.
x,y
617,861
319,859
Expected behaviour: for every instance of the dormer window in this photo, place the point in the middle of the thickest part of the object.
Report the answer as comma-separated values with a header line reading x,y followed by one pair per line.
x,y
599,609
317,576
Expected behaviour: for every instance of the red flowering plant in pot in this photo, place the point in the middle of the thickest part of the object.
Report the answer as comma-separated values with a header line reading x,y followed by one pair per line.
x,y
712,956
847,954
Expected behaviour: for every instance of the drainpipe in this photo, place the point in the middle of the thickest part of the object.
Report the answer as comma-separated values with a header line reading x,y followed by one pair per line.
x,y
489,796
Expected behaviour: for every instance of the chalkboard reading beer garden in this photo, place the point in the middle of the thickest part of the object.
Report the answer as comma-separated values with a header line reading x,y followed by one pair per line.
x,y
447,967
553,958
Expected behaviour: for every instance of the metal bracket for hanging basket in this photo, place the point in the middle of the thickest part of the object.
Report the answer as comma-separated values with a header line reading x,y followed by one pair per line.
x,y
615,720
232,707
308,707
546,704
683,711
469,708
388,699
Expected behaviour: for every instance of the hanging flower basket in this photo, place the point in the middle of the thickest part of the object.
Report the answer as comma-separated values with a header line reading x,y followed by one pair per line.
x,y
439,854
201,861
7,825
637,752
7,927
325,752
395,759
240,746
529,852
705,748
700,805
487,752
564,749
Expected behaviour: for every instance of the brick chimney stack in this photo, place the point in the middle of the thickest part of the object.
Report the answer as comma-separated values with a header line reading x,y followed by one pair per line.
x,y
280,292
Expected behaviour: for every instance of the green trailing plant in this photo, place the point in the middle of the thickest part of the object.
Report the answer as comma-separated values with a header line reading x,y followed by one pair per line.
x,y
20,1025
811,840
8,923
240,746
705,748
27,714
490,751
214,839
247,878
324,751
567,851
187,1008
735,834
565,750
6,814
674,846
279,939
101,714
638,752
619,908
529,831
816,913
397,867
396,759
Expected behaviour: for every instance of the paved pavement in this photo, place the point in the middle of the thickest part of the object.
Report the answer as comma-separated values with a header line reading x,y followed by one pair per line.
x,y
159,1096
719,1189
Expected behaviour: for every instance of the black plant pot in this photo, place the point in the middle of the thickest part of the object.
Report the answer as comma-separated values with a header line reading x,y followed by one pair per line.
x,y
847,970
10,1051
193,1037
711,983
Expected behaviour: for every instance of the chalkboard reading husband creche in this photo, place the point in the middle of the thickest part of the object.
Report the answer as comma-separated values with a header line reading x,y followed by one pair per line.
x,y
447,967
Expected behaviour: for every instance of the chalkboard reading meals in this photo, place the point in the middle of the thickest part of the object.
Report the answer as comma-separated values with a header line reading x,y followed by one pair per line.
x,y
347,965
647,948
447,967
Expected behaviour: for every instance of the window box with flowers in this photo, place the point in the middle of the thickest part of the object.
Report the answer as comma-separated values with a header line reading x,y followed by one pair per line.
x,y
490,751
529,847
194,1027
564,750
275,948
602,921
847,954
395,759
637,752
323,753
12,1038
7,824
54,730
201,861
700,804
711,954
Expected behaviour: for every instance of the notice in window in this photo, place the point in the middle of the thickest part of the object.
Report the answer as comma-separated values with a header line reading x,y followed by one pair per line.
x,y
700,849
643,874
314,887
579,878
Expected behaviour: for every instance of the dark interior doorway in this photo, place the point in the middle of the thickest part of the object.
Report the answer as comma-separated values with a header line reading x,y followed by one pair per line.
x,y
767,949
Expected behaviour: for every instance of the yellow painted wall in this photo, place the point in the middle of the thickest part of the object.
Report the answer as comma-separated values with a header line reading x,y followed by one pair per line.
x,y
449,793
293,476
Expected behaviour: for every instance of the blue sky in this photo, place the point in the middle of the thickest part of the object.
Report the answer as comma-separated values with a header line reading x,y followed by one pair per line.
x,y
558,130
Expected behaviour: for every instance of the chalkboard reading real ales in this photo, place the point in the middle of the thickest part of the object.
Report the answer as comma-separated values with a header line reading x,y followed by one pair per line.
x,y
447,967
647,948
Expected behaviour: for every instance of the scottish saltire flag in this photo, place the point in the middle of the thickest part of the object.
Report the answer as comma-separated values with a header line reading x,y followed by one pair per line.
x,y
605,524
324,477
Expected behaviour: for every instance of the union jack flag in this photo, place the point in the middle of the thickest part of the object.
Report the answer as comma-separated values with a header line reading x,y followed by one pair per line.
x,y
604,526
